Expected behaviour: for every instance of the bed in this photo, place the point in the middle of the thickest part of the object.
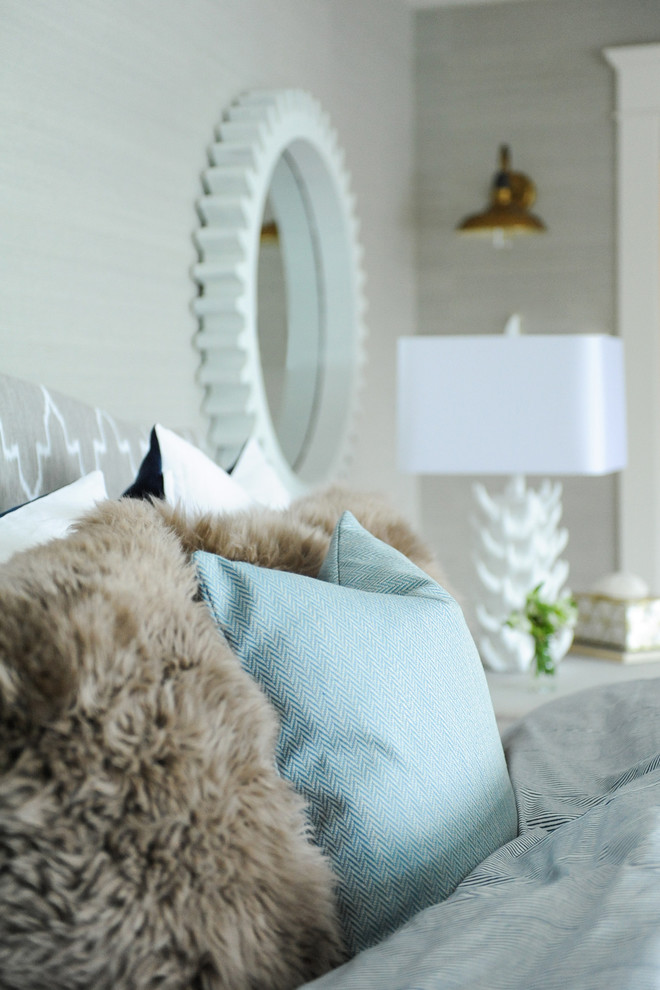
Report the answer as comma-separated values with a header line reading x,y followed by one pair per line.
x,y
457,859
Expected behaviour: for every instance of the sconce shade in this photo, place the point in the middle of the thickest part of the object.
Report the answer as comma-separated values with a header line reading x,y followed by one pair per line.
x,y
551,404
511,196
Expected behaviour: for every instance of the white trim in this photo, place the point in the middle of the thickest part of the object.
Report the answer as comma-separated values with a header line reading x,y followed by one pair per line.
x,y
638,261
259,131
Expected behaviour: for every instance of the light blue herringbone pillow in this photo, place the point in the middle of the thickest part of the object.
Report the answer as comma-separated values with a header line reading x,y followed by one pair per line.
x,y
387,728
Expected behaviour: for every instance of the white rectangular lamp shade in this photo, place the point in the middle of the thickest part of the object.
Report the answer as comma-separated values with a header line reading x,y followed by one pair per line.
x,y
511,404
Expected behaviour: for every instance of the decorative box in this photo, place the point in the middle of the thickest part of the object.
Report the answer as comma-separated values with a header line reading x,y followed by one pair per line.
x,y
621,629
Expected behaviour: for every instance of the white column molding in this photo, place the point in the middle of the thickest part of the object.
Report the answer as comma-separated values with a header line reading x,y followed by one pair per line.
x,y
638,262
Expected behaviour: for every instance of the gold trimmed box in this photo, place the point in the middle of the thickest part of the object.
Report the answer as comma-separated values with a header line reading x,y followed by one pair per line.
x,y
629,626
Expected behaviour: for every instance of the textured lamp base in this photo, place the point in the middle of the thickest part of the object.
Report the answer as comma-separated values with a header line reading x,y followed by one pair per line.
x,y
518,544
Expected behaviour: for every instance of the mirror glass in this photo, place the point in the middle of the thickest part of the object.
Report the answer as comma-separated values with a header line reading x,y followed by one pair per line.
x,y
288,312
272,326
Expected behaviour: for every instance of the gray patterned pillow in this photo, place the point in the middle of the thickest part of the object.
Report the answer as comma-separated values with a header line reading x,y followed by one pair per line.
x,y
48,440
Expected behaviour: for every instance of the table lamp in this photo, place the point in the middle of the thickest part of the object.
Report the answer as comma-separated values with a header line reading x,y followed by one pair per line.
x,y
513,404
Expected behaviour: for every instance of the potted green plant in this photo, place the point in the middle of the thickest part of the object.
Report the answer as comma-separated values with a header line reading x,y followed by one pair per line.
x,y
543,620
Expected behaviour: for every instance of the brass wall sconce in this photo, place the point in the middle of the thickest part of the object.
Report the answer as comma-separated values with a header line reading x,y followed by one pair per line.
x,y
508,213
269,232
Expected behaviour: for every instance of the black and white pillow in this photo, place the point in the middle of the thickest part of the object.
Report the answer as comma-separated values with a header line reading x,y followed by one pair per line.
x,y
183,475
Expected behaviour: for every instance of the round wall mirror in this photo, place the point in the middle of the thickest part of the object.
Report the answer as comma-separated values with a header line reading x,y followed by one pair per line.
x,y
281,303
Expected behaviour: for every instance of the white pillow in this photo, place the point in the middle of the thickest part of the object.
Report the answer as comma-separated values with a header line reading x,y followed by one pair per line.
x,y
193,481
259,478
50,516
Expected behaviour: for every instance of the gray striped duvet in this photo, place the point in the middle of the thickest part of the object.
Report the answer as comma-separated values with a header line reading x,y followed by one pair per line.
x,y
574,901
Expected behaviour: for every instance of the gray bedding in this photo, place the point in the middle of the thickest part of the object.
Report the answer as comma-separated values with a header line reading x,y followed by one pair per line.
x,y
574,901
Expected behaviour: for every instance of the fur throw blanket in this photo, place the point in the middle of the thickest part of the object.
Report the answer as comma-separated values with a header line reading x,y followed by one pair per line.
x,y
297,539
146,839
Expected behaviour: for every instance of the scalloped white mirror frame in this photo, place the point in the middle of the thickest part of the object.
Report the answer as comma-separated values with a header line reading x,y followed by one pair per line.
x,y
256,133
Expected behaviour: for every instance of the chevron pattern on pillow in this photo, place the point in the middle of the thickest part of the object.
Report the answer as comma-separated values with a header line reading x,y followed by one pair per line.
x,y
387,728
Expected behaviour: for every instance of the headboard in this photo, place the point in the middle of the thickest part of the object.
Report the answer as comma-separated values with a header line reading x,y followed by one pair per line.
x,y
48,440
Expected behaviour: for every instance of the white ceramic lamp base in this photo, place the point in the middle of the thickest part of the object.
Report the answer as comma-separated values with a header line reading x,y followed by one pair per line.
x,y
518,544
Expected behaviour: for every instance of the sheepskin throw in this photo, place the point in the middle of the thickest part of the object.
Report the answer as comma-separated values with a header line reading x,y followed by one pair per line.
x,y
146,840
297,539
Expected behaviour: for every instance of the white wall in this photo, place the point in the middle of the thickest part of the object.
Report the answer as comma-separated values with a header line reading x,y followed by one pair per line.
x,y
106,110
531,75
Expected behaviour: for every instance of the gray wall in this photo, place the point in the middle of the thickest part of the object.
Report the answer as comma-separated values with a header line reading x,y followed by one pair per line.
x,y
107,108
530,74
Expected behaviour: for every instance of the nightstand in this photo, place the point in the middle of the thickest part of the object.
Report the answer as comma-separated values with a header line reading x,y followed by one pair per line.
x,y
514,695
